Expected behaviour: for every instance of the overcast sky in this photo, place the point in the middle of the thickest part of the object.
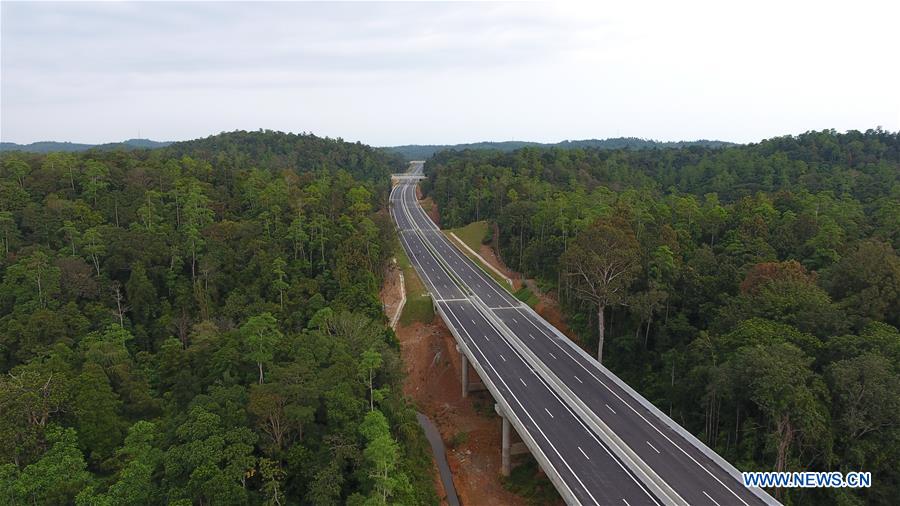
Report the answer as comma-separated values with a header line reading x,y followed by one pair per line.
x,y
403,73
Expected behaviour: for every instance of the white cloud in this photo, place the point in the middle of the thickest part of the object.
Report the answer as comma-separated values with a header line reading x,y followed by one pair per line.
x,y
448,72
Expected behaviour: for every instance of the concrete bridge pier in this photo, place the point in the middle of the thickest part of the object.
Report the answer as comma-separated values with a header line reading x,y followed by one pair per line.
x,y
507,447
467,384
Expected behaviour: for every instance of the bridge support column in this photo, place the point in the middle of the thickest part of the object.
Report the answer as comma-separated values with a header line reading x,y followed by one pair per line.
x,y
504,448
464,377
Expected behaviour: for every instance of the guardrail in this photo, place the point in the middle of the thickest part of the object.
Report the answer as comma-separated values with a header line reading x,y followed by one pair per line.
x,y
632,393
549,469
625,454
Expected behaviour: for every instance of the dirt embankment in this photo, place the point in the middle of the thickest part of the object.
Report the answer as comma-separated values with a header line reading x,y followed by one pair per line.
x,y
391,292
469,427
429,206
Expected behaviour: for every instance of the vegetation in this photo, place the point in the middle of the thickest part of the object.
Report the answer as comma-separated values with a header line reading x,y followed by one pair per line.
x,y
527,296
419,307
474,234
421,152
199,324
751,292
49,146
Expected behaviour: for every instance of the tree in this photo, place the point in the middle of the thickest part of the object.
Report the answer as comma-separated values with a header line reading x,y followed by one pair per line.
x,y
789,394
298,236
272,475
71,232
95,179
18,168
32,282
196,216
261,335
866,398
370,362
141,294
209,462
97,406
867,282
280,284
381,456
32,396
94,246
8,225
135,484
58,475
602,261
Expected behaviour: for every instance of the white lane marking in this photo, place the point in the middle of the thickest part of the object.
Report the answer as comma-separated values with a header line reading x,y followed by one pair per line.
x,y
534,422
488,338
626,502
473,322
651,446
582,452
549,413
504,358
710,498
552,355
531,335
458,257
504,296
523,382
515,321
576,377
567,409
611,409
642,417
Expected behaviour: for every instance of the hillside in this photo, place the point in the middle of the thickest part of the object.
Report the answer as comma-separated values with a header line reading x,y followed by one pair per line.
x,y
422,152
71,147
753,287
183,326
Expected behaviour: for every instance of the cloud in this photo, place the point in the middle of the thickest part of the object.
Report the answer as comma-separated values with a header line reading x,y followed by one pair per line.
x,y
443,72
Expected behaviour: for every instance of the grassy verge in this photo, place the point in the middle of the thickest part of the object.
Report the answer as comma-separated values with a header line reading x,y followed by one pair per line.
x,y
472,235
527,296
418,306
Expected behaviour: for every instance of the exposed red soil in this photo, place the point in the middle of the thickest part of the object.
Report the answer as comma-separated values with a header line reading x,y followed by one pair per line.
x,y
432,381
390,291
431,209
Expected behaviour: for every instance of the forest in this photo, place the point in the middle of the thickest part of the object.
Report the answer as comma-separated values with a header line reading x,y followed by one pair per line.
x,y
200,324
751,292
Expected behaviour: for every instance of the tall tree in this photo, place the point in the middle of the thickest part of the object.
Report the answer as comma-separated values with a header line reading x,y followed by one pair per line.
x,y
602,261
261,335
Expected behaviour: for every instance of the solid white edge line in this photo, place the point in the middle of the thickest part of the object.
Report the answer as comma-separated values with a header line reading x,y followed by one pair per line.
x,y
701,466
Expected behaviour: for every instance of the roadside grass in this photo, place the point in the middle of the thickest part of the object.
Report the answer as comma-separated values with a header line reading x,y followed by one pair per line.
x,y
527,296
472,235
418,306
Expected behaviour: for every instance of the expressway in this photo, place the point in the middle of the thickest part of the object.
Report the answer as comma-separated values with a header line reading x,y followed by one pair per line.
x,y
695,473
578,460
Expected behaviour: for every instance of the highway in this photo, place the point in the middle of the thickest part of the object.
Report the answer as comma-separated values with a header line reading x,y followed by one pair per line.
x,y
595,475
693,473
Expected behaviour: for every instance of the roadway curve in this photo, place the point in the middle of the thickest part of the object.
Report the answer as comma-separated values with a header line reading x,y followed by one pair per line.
x,y
590,471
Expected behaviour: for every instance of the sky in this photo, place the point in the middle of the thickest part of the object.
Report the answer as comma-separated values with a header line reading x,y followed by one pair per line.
x,y
445,73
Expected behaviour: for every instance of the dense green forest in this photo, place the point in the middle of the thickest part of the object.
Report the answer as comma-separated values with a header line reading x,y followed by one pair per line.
x,y
751,292
51,146
423,151
199,324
